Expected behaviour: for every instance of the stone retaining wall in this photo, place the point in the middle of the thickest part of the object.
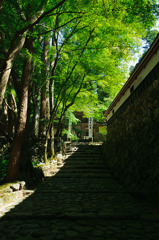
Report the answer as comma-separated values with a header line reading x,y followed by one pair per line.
x,y
132,145
10,193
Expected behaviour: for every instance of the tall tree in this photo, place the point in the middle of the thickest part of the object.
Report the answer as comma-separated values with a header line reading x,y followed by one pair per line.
x,y
92,41
31,15
13,166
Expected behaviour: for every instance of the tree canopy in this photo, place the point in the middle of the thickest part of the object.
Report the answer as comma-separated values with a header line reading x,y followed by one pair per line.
x,y
60,56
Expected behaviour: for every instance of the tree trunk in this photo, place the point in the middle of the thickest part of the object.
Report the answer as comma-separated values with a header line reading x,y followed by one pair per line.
x,y
42,112
45,147
32,176
25,164
11,116
17,44
35,120
36,111
1,5
52,140
47,76
69,128
59,126
8,63
45,105
52,147
5,111
13,166
49,103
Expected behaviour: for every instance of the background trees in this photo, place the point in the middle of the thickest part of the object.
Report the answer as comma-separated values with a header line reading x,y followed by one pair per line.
x,y
63,55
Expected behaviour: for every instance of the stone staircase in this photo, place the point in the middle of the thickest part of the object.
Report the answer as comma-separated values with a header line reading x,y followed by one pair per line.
x,y
82,201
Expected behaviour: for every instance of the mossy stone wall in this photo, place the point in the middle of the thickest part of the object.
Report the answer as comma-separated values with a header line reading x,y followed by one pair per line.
x,y
131,148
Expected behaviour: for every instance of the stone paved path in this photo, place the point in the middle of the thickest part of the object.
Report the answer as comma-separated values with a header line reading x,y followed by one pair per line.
x,y
81,202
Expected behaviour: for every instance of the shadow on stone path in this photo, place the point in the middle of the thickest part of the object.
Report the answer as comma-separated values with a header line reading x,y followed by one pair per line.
x,y
81,202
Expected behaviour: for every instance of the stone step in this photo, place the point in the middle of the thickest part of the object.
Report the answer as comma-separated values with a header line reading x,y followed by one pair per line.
x,y
85,166
85,156
73,175
83,171
78,228
83,159
73,204
82,201
80,167
79,184
85,153
84,163
88,167
91,162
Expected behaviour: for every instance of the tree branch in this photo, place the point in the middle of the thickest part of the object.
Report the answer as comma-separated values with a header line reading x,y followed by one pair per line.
x,y
14,111
56,28
74,98
60,13
82,52
31,25
1,5
71,34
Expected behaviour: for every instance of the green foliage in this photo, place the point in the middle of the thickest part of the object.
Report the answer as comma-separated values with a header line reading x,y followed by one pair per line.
x,y
70,135
3,168
81,50
150,36
11,91
70,115
89,44
4,159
